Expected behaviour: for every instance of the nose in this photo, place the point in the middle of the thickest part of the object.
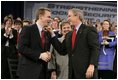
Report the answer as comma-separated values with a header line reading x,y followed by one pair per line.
x,y
66,29
68,19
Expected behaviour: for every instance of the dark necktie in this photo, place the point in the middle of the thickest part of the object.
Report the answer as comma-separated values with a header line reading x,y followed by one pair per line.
x,y
43,38
73,38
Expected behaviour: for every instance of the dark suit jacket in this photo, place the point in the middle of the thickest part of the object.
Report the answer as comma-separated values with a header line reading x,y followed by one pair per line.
x,y
30,47
85,51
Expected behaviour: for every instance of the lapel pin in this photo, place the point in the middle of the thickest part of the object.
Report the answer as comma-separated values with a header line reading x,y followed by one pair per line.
x,y
80,31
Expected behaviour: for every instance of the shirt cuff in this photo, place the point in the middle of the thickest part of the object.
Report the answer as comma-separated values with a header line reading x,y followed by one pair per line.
x,y
40,56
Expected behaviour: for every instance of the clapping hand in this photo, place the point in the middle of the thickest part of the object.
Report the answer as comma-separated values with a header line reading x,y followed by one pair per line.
x,y
105,42
8,31
105,37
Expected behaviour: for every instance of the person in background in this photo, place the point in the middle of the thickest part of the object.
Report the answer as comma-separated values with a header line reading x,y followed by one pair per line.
x,y
89,23
18,25
18,18
107,41
8,46
34,47
114,28
85,22
2,25
11,15
81,45
98,25
26,23
57,18
55,26
33,21
59,63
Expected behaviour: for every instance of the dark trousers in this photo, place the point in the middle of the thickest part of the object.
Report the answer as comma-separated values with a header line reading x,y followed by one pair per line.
x,y
5,74
106,74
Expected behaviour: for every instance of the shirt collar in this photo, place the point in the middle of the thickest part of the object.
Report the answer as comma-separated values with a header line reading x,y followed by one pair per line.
x,y
78,26
39,27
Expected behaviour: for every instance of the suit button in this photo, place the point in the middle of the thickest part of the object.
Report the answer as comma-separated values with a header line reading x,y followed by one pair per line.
x,y
72,55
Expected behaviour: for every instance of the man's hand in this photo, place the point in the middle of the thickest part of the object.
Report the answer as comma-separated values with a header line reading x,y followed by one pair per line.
x,y
90,71
49,29
49,55
46,56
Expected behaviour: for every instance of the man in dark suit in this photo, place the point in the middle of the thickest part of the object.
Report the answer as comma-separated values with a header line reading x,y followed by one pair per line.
x,y
34,48
81,45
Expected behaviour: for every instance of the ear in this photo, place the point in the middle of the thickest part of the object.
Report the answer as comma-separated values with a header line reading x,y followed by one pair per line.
x,y
41,17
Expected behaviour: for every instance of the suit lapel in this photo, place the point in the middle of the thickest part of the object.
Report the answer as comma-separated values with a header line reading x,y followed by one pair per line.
x,y
46,46
69,41
38,35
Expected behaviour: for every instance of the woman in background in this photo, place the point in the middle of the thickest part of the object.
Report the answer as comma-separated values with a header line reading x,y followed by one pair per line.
x,y
8,46
107,42
59,63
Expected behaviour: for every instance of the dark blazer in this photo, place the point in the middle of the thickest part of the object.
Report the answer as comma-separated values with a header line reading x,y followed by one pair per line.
x,y
30,47
85,51
7,52
12,43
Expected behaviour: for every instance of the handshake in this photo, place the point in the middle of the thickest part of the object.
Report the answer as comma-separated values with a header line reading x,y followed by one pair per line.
x,y
45,56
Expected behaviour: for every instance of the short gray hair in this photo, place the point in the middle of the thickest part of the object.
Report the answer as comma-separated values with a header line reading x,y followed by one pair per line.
x,y
78,12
